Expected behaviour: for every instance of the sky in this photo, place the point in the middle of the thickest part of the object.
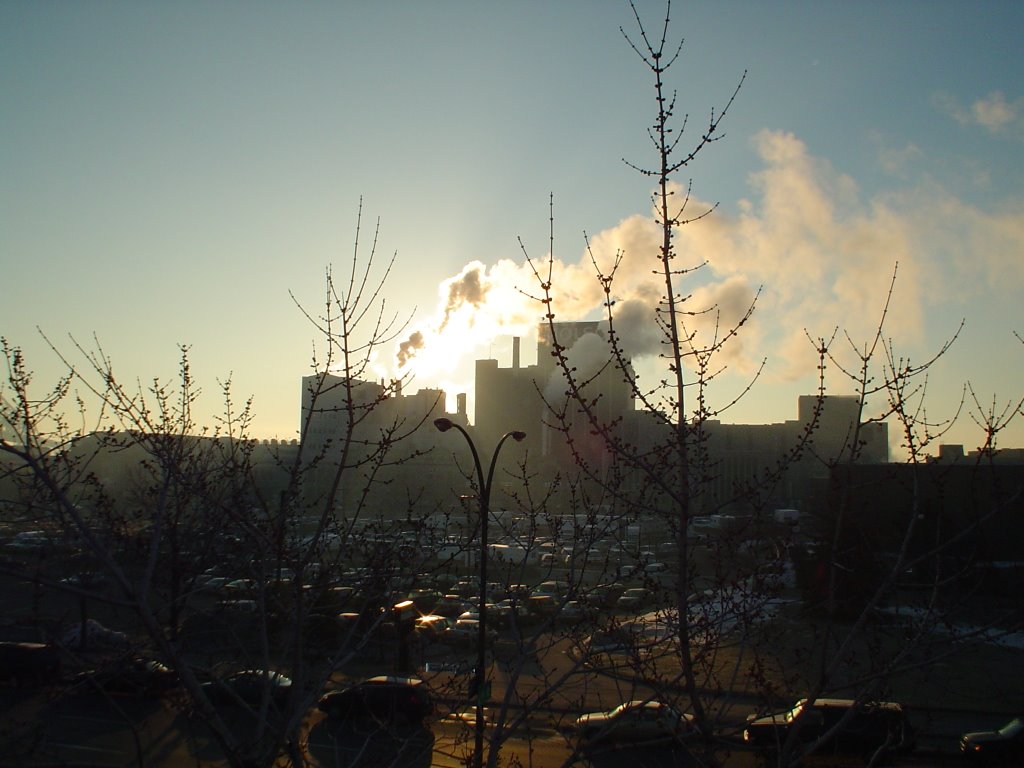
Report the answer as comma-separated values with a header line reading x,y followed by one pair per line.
x,y
186,174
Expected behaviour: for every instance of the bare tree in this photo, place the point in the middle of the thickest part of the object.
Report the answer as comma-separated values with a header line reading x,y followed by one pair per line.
x,y
218,553
669,466
716,644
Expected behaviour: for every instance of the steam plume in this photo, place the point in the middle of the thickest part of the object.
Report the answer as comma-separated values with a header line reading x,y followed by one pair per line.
x,y
823,255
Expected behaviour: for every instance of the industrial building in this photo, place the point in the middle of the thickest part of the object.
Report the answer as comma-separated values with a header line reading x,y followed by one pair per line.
x,y
533,398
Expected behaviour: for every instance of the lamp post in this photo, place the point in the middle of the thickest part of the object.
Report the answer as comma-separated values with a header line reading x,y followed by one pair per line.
x,y
480,676
403,619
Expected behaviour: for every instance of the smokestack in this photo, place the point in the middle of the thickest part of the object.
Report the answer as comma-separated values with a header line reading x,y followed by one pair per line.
x,y
460,405
515,351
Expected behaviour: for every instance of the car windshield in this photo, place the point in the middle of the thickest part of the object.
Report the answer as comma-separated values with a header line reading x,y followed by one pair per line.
x,y
256,677
636,705
794,713
1012,728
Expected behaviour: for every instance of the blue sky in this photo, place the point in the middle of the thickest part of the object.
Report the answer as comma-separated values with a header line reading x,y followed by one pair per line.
x,y
172,172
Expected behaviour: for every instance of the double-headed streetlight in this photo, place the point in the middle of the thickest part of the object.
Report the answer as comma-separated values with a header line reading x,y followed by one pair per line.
x,y
480,677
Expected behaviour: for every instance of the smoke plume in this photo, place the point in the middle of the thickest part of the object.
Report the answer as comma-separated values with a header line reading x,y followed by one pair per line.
x,y
466,288
821,255
407,349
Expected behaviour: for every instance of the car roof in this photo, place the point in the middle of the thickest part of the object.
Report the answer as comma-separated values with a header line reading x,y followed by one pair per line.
x,y
393,680
273,675
641,704
847,703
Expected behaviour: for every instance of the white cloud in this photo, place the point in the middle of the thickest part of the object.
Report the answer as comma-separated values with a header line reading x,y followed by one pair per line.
x,y
897,161
993,113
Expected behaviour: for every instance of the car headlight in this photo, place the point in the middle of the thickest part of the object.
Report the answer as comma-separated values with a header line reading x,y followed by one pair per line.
x,y
746,735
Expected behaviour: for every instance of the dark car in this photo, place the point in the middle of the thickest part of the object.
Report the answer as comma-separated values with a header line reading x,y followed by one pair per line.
x,y
86,580
450,606
1005,746
138,676
424,598
28,663
387,699
466,631
635,721
871,728
432,627
605,647
249,686
603,595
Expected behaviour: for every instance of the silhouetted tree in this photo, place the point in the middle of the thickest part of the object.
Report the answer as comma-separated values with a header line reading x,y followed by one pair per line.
x,y
661,465
218,553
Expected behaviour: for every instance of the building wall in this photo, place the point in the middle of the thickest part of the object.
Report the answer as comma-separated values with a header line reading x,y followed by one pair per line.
x,y
962,526
419,469
737,468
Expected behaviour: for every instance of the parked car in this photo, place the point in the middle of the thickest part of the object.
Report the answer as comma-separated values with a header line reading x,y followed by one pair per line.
x,y
601,648
555,588
334,599
424,598
137,676
635,721
28,663
632,598
464,588
518,592
238,588
872,727
467,632
86,580
94,636
432,626
212,583
29,541
575,611
384,698
249,686
496,591
501,613
626,571
239,607
542,604
603,595
1005,745
451,606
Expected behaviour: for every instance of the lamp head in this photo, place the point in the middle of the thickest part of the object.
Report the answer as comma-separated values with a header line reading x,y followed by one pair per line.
x,y
443,424
518,436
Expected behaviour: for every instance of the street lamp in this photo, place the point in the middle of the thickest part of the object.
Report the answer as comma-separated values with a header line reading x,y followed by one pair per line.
x,y
403,617
480,677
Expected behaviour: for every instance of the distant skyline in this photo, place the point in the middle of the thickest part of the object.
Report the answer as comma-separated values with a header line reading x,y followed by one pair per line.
x,y
171,171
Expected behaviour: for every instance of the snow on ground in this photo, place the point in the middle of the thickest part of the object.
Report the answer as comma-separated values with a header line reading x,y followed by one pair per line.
x,y
961,632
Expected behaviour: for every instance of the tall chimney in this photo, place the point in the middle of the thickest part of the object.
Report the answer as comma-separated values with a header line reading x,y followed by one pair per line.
x,y
515,351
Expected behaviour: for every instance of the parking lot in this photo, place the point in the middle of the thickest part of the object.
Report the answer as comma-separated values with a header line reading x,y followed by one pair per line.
x,y
82,726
